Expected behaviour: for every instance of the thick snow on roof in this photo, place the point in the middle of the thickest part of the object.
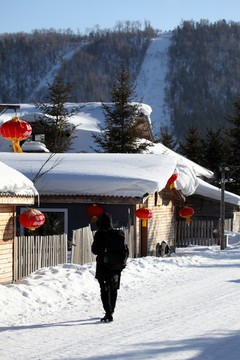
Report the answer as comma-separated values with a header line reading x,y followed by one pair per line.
x,y
14,183
34,146
127,175
198,169
207,190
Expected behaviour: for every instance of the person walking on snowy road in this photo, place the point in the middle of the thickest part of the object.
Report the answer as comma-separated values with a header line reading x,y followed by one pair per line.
x,y
112,252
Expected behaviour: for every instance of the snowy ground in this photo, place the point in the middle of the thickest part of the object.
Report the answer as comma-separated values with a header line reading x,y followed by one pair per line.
x,y
182,307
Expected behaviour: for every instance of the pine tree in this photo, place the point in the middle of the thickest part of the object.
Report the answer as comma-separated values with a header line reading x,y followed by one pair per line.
x,y
167,138
233,163
55,125
192,145
121,133
215,151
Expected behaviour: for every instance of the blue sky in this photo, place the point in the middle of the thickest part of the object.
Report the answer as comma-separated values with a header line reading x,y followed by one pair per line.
x,y
80,15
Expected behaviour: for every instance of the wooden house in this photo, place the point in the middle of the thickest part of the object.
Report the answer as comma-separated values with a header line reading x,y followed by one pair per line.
x,y
120,184
12,195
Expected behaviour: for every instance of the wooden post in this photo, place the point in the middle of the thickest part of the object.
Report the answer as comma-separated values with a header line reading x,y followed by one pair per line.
x,y
222,210
143,240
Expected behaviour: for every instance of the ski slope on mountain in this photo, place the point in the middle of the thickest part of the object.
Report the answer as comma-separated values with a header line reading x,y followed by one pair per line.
x,y
177,308
151,80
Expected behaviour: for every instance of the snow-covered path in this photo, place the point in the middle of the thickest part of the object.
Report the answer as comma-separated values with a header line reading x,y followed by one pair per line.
x,y
182,307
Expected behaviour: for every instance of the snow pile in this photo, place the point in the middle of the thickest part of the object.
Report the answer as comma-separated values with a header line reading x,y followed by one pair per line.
x,y
34,146
14,183
182,307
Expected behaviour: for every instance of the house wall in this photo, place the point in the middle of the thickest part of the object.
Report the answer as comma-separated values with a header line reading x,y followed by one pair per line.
x,y
206,209
7,231
161,227
78,217
236,221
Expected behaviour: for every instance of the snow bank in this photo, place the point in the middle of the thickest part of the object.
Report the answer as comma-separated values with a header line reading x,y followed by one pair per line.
x,y
34,146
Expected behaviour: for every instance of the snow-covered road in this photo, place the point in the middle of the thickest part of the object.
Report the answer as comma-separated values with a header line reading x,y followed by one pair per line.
x,y
182,307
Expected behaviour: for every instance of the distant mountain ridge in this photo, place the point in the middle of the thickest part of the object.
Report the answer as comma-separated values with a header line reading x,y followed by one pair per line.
x,y
188,76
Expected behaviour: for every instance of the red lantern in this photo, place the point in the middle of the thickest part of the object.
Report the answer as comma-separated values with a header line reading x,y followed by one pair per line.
x,y
32,219
186,212
94,211
16,130
144,214
171,181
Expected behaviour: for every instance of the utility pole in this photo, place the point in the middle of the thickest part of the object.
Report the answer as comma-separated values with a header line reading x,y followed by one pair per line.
x,y
222,209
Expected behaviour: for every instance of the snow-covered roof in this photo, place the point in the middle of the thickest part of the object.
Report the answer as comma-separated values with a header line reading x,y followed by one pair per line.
x,y
12,182
210,191
125,175
198,169
34,146
118,175
83,172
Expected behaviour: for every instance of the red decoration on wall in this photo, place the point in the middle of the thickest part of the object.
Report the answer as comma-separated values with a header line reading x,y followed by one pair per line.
x,y
171,181
144,214
94,211
16,130
186,212
32,219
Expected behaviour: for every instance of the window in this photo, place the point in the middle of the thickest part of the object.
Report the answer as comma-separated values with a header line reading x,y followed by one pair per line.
x,y
56,222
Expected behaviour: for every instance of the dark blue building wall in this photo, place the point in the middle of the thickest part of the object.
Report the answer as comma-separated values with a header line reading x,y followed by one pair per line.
x,y
78,217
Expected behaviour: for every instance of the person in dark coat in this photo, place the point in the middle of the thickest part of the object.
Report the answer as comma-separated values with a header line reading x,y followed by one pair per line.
x,y
109,279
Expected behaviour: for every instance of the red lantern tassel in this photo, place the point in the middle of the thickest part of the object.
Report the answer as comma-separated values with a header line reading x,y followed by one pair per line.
x,y
172,185
188,219
16,147
94,219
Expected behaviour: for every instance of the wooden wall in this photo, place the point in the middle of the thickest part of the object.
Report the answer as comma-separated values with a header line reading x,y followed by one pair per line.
x,y
7,231
207,209
161,227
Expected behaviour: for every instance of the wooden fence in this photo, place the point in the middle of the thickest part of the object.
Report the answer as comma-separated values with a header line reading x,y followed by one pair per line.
x,y
81,246
197,232
82,242
35,252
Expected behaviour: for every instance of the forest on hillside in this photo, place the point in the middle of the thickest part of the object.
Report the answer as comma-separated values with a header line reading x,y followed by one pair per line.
x,y
90,60
203,74
202,80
